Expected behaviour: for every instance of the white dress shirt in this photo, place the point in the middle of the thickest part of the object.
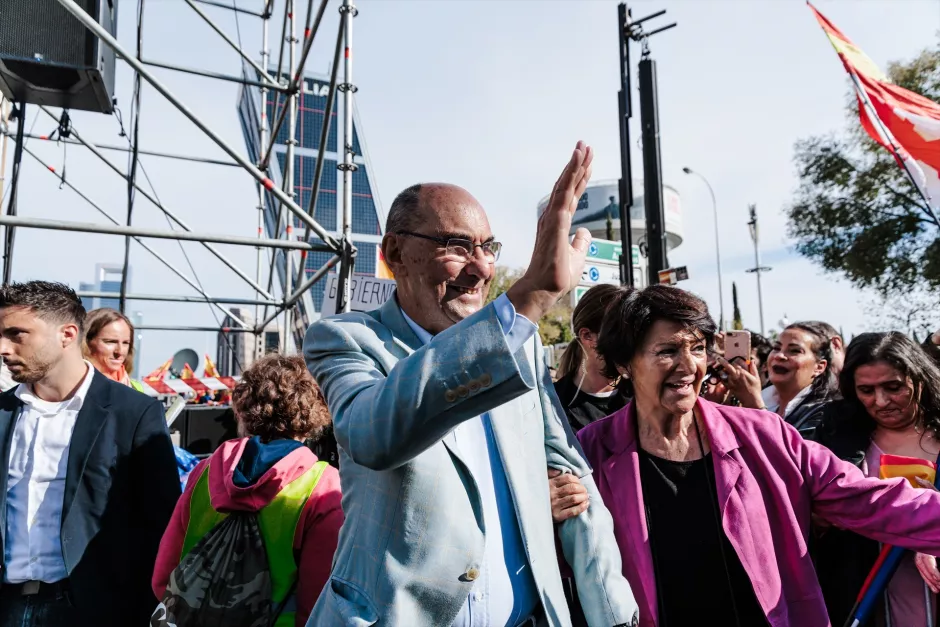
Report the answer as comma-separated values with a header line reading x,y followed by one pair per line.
x,y
504,594
772,399
39,456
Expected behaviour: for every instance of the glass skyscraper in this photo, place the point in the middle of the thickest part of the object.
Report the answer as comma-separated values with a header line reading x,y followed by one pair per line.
x,y
368,218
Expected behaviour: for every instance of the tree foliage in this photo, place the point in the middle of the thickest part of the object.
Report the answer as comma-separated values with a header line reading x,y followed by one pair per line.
x,y
555,325
856,211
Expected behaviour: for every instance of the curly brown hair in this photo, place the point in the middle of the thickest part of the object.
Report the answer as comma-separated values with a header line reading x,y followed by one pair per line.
x,y
277,398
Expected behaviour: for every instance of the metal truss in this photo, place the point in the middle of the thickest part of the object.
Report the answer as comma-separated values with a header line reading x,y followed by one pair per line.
x,y
286,93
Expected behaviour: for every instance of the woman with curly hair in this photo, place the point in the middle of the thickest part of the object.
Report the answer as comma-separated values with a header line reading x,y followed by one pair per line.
x,y
279,407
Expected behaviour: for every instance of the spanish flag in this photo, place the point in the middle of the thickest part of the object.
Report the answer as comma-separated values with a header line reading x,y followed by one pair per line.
x,y
187,372
159,373
209,369
907,467
382,271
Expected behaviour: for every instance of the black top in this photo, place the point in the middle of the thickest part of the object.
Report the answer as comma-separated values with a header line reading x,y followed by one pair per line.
x,y
696,567
585,408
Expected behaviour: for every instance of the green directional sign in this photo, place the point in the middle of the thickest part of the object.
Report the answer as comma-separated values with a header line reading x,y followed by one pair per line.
x,y
607,251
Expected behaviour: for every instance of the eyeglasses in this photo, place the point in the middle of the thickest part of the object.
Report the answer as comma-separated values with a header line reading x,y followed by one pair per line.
x,y
460,248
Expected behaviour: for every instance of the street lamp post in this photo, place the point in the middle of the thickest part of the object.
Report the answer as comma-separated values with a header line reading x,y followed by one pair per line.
x,y
721,297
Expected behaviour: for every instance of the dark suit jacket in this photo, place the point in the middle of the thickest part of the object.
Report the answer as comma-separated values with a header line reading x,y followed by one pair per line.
x,y
121,486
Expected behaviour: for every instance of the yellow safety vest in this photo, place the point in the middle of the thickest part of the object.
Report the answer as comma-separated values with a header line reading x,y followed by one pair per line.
x,y
278,522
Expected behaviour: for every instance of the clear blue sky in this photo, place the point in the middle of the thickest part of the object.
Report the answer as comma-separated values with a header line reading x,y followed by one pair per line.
x,y
492,96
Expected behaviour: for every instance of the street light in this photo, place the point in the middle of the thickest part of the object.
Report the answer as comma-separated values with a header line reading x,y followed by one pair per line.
x,y
721,298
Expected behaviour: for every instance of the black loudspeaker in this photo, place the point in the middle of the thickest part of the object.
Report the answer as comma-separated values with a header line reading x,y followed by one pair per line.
x,y
204,428
48,57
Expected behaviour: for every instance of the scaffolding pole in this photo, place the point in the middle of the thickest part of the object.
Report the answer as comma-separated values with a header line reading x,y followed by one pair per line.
x,y
171,298
292,103
103,229
313,278
263,73
143,244
347,12
263,139
151,327
72,7
215,75
145,153
219,255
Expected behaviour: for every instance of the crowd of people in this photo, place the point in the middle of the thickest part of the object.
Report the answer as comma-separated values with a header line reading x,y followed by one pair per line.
x,y
655,481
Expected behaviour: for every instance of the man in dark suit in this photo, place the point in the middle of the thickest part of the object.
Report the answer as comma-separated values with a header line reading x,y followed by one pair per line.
x,y
88,477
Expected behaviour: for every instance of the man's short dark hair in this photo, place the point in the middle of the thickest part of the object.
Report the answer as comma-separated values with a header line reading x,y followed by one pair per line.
x,y
55,302
404,213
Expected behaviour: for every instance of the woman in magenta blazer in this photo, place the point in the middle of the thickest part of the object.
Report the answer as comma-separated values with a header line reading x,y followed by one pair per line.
x,y
711,504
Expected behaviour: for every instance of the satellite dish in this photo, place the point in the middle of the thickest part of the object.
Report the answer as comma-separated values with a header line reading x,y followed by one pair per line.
x,y
181,358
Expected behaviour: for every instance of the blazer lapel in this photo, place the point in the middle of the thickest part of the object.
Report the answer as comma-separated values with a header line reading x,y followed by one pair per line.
x,y
88,424
622,470
9,412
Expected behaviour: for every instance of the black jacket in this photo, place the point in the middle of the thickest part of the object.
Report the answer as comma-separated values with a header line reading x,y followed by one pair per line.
x,y
843,558
121,486
581,408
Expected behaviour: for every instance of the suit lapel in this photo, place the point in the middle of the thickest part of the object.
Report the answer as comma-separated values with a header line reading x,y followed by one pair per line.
x,y
88,424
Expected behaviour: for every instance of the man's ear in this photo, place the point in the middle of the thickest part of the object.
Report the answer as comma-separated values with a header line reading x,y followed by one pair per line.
x,y
391,251
70,334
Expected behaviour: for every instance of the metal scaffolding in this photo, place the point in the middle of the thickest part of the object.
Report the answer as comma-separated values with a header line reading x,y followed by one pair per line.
x,y
285,87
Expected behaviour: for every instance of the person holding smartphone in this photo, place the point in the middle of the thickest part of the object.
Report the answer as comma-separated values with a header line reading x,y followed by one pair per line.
x,y
801,377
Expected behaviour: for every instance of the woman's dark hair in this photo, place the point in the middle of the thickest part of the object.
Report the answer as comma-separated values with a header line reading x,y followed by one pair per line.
x,y
762,346
905,356
96,320
633,313
588,314
824,386
277,398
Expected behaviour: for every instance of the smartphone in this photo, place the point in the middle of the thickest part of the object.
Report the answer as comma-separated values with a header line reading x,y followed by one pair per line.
x,y
738,344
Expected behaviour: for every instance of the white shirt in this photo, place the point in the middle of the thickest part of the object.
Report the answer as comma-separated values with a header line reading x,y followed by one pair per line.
x,y
772,399
39,456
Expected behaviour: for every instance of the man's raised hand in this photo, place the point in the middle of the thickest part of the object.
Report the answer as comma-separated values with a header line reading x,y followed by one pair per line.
x,y
556,264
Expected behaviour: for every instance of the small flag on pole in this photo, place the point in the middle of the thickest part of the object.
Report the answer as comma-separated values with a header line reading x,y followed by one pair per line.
x,y
159,373
209,369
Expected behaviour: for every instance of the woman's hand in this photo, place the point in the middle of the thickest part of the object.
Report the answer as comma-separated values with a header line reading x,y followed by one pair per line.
x,y
744,383
569,498
927,566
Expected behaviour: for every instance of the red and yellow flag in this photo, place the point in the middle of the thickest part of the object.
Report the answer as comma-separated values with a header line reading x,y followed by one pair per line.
x,y
209,369
905,123
159,373
382,271
187,373
907,467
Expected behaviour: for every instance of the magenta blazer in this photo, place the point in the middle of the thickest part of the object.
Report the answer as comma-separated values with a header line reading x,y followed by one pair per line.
x,y
768,481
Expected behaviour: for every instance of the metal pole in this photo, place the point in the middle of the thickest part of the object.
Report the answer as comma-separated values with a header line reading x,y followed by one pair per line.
x,y
348,11
4,119
258,175
9,232
721,297
177,299
215,75
652,171
262,134
324,136
85,227
313,278
150,327
262,72
625,188
230,7
757,269
292,102
231,265
146,153
157,255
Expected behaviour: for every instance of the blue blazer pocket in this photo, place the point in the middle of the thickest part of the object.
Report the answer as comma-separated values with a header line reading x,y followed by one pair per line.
x,y
351,605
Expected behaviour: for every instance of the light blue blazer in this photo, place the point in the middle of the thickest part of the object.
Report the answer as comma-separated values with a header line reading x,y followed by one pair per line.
x,y
414,535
